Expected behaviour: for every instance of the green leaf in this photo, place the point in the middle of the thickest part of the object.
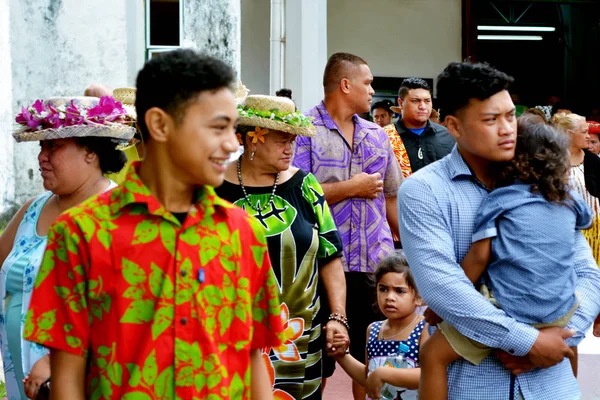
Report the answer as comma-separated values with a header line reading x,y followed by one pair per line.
x,y
228,265
105,387
213,295
160,283
150,368
105,238
68,328
229,293
46,320
209,248
103,350
79,270
135,375
96,311
185,376
61,252
132,272
236,388
240,312
211,325
259,254
199,382
196,355
244,295
145,232
136,396
167,236
74,342
138,312
223,231
75,305
244,283
236,244
163,319
62,291
102,363
133,292
214,380
190,237
225,318
115,373
183,296
45,268
213,397
88,227
106,301
164,384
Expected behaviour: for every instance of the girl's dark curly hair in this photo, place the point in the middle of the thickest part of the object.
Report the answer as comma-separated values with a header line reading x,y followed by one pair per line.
x,y
542,160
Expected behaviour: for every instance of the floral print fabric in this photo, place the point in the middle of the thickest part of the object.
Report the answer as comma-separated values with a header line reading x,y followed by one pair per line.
x,y
301,236
162,310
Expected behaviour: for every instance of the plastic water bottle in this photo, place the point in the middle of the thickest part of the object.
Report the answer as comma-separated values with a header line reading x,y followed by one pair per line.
x,y
389,392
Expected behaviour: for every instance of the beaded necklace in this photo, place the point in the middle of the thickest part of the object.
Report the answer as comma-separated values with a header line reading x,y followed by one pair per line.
x,y
263,208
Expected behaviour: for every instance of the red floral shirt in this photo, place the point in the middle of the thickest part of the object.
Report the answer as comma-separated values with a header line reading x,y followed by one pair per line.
x,y
161,310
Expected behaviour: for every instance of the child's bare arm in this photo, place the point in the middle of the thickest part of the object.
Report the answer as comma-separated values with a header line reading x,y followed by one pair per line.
x,y
261,386
477,259
354,368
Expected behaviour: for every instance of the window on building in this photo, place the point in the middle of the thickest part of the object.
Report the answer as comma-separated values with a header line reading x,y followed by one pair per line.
x,y
164,26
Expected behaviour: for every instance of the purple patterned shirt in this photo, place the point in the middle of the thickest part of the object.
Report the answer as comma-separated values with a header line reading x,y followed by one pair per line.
x,y
362,223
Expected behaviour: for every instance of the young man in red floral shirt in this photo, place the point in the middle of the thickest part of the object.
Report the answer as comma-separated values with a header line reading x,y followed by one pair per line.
x,y
159,289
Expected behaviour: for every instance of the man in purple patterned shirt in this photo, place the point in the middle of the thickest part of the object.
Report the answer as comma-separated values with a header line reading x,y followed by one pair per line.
x,y
355,164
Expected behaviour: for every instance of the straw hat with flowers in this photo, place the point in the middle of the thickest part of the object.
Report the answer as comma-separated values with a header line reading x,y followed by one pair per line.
x,y
276,113
69,117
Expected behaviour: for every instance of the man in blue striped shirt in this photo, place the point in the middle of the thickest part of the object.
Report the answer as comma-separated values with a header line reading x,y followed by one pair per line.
x,y
437,209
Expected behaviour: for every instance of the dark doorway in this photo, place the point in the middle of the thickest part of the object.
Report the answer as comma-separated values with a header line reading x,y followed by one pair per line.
x,y
563,63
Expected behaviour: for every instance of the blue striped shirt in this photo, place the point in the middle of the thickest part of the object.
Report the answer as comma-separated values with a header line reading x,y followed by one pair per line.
x,y
438,206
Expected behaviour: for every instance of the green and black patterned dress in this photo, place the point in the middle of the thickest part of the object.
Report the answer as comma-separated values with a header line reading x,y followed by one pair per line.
x,y
301,236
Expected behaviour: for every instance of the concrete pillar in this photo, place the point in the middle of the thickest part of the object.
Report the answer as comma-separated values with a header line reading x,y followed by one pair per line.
x,y
306,50
213,26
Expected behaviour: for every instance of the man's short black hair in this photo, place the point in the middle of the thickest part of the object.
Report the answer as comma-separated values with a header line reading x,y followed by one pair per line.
x,y
412,83
460,82
171,80
385,104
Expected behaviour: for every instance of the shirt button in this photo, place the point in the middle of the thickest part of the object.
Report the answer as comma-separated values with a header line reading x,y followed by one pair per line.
x,y
183,321
183,273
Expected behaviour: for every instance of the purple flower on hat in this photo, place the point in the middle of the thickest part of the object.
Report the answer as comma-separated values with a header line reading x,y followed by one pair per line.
x,y
73,115
38,106
53,119
107,110
28,119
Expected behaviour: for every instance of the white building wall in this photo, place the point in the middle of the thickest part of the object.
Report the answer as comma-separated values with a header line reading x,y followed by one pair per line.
x,y
213,26
7,182
255,39
398,38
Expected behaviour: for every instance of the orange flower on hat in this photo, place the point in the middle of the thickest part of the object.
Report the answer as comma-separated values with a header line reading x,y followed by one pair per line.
x,y
258,134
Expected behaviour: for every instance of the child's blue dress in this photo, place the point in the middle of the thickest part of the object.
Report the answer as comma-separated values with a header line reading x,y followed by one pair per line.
x,y
379,350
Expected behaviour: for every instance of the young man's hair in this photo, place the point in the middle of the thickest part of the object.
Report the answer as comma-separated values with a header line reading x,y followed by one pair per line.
x,y
383,104
412,83
337,68
460,82
172,80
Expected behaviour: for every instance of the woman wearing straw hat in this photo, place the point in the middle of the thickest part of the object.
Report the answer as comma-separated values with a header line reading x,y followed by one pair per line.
x,y
302,238
78,138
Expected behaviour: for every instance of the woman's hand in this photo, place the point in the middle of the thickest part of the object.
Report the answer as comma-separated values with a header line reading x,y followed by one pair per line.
x,y
38,375
337,338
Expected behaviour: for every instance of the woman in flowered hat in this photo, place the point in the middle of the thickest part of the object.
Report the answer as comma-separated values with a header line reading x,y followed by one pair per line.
x,y
78,143
303,242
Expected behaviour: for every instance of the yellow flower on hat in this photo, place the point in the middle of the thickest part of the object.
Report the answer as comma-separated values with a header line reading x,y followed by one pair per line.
x,y
258,134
